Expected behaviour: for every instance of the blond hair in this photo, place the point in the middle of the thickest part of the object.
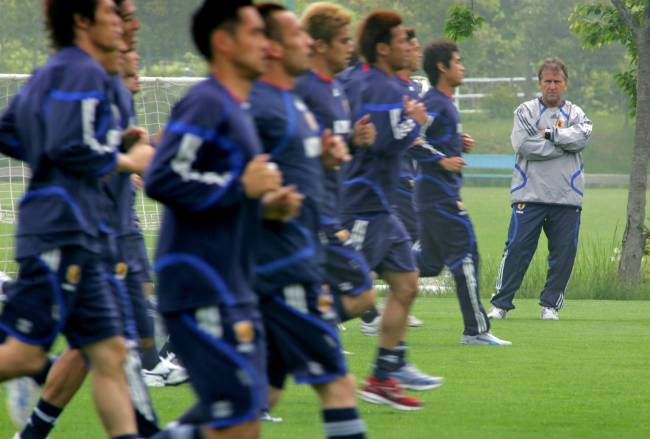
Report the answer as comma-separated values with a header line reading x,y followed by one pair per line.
x,y
323,20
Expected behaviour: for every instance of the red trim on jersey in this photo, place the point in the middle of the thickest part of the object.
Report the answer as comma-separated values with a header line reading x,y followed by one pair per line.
x,y
323,78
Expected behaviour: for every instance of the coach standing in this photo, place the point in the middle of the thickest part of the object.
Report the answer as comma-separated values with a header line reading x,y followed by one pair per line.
x,y
548,137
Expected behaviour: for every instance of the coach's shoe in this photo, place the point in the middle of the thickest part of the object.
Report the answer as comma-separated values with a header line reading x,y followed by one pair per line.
x,y
22,396
414,322
412,378
370,328
549,313
484,339
497,313
388,393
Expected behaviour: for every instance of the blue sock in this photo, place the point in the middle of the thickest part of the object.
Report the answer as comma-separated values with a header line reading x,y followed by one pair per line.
x,y
343,424
41,421
401,349
339,306
387,362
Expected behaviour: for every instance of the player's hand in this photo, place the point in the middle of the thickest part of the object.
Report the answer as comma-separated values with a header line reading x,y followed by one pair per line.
x,y
133,135
137,181
282,204
334,150
415,110
260,177
136,159
468,143
452,164
364,132
343,235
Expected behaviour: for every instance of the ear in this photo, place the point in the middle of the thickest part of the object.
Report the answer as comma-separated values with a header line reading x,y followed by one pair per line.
x,y
221,40
442,67
383,49
81,22
275,50
320,46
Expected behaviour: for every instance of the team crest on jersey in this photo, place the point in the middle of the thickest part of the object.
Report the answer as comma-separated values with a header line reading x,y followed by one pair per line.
x,y
559,123
121,269
245,334
73,274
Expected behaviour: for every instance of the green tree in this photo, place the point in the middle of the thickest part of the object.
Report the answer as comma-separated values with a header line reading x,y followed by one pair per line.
x,y
627,22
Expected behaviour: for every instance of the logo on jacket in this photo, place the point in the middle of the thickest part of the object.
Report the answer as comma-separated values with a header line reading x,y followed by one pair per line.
x,y
559,123
245,334
121,269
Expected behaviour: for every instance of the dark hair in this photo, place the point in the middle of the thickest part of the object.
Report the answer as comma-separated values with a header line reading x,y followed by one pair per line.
x,y
554,64
440,51
410,34
59,19
213,15
376,28
271,26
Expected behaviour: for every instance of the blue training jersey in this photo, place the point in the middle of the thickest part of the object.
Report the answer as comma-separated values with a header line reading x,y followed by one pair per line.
x,y
373,175
62,125
290,253
209,224
326,99
408,170
443,138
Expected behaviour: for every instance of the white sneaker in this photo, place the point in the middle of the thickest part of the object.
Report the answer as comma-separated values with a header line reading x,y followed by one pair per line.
x,y
371,328
152,380
22,396
414,322
484,339
497,313
549,313
177,373
268,417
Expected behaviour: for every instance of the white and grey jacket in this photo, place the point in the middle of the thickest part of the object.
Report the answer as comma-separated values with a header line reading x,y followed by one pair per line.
x,y
549,171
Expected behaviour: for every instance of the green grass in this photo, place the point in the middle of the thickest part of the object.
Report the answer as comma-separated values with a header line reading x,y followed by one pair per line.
x,y
585,376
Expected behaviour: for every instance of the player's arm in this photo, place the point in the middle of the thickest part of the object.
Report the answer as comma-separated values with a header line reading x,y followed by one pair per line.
x,y
9,143
174,179
529,142
393,126
574,137
78,134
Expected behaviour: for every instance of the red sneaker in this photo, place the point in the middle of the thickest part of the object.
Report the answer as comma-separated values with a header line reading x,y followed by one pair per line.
x,y
389,393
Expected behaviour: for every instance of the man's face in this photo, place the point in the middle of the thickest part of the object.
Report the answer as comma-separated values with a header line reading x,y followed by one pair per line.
x,y
553,86
249,53
105,34
456,71
415,58
131,23
399,49
130,74
339,50
296,44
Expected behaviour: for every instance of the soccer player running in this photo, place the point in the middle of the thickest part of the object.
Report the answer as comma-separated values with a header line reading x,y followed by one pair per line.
x,y
548,136
372,180
211,177
446,233
346,271
70,146
298,314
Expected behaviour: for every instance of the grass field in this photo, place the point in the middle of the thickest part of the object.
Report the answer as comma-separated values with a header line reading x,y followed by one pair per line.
x,y
585,376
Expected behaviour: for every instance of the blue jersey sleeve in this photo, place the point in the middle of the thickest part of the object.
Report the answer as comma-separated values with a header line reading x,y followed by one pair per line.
x,y
9,142
80,134
197,166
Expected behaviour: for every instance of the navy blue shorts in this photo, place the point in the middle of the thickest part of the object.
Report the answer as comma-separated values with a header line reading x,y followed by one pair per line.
x,y
405,208
132,281
346,270
225,357
384,242
60,291
135,249
302,339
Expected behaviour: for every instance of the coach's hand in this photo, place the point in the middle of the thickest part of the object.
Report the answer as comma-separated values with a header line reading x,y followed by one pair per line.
x,y
415,110
364,132
260,177
334,150
452,164
282,204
